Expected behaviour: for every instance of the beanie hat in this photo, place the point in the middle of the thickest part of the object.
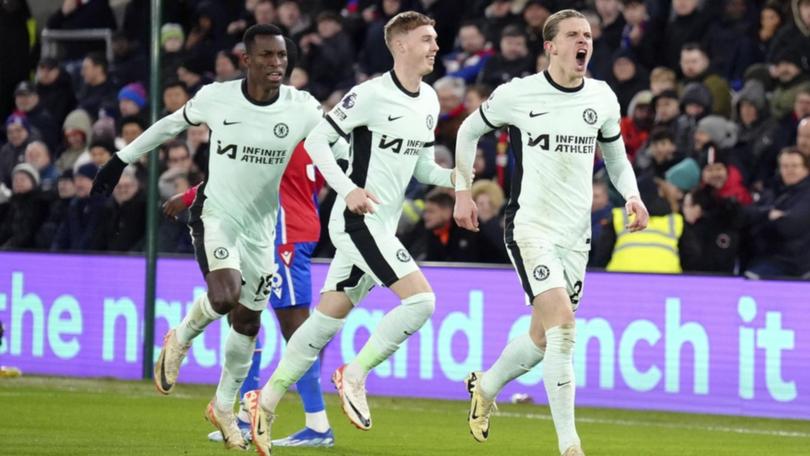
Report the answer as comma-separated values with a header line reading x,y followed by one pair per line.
x,y
171,30
134,92
722,132
18,119
685,175
28,169
696,92
87,170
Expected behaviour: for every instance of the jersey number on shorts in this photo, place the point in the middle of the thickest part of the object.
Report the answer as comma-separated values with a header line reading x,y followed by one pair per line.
x,y
265,282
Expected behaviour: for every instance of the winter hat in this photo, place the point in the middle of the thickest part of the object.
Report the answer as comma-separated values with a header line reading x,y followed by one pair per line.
x,y
171,30
25,88
722,132
66,174
685,175
669,93
696,92
18,119
643,97
790,54
134,92
87,170
28,169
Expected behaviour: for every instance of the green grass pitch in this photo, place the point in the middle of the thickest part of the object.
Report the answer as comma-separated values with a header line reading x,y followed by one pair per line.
x,y
40,415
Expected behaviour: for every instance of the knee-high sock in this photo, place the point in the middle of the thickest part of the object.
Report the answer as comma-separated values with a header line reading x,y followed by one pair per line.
x,y
394,328
238,354
302,351
518,357
309,388
198,317
558,378
252,380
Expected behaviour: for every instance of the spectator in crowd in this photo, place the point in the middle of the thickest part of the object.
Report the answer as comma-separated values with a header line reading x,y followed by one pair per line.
x,y
26,212
325,53
696,103
175,95
39,157
792,76
443,239
512,61
722,178
97,91
42,123
84,215
601,210
695,68
498,15
489,199
197,137
534,15
730,42
801,109
205,35
77,136
55,89
291,20
666,108
468,61
662,79
642,34
101,151
374,57
193,73
600,63
180,163
711,234
635,127
131,128
172,40
796,34
688,25
226,67
123,221
18,132
129,64
57,211
627,78
132,100
612,22
757,143
803,137
450,91
659,156
771,20
780,221
474,96
84,14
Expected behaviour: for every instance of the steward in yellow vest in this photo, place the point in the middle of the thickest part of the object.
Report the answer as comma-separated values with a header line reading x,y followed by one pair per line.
x,y
652,250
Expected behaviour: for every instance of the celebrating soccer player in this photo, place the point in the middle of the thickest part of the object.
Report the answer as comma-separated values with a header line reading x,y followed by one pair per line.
x,y
555,119
390,121
256,124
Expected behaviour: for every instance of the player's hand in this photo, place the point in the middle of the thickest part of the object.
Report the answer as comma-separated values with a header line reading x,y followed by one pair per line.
x,y
108,176
636,208
466,212
361,201
174,206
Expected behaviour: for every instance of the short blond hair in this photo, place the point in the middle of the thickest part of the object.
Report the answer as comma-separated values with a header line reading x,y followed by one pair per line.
x,y
552,25
663,74
404,22
492,189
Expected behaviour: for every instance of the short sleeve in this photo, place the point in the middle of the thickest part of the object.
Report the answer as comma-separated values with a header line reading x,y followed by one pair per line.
x,y
194,109
352,111
495,111
610,130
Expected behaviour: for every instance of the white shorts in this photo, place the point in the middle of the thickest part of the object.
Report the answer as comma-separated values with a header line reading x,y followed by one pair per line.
x,y
221,244
542,266
364,258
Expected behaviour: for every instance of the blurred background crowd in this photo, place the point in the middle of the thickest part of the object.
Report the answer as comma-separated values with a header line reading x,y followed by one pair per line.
x,y
715,96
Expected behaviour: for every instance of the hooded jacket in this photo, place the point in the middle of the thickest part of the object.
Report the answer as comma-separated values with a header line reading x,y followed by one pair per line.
x,y
757,142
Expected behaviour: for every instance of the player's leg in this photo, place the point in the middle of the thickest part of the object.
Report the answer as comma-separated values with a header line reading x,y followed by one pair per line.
x,y
219,260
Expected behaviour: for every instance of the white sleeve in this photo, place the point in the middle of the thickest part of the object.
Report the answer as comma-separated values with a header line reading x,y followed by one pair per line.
x,y
318,145
491,115
619,169
429,172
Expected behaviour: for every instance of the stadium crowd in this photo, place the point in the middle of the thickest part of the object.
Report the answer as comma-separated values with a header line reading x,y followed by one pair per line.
x,y
715,97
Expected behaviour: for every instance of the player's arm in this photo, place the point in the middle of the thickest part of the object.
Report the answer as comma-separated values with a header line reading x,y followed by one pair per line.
x,y
486,118
180,202
161,131
429,172
620,171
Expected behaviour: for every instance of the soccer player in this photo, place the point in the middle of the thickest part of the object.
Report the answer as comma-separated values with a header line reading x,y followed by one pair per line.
x,y
298,229
390,121
555,120
257,123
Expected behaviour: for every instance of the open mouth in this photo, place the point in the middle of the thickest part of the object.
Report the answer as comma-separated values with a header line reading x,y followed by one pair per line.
x,y
275,75
581,55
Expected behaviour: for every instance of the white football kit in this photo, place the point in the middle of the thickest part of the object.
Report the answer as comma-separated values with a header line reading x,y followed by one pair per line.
x,y
391,132
233,218
553,133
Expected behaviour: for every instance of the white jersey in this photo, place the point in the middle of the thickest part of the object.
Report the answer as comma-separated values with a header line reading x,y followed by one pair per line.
x,y
391,131
553,132
251,144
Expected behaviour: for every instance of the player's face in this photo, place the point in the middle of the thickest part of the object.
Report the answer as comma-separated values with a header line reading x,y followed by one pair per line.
x,y
266,62
572,47
421,48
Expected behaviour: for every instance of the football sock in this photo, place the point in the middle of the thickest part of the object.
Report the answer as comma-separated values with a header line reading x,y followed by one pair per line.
x,y
394,328
518,357
198,317
252,380
309,388
238,355
558,378
301,353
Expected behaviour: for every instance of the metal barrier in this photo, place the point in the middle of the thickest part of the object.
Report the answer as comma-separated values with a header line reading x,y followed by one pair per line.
x,y
51,37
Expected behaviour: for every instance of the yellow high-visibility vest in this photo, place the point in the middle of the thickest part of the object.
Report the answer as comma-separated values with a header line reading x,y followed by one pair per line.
x,y
654,249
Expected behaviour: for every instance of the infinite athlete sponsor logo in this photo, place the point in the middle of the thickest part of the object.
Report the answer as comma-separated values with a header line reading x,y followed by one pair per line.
x,y
256,155
401,146
221,253
572,144
541,272
589,116
281,130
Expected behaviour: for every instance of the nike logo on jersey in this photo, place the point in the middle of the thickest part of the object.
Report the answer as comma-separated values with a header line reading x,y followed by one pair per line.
x,y
533,114
392,118
226,123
